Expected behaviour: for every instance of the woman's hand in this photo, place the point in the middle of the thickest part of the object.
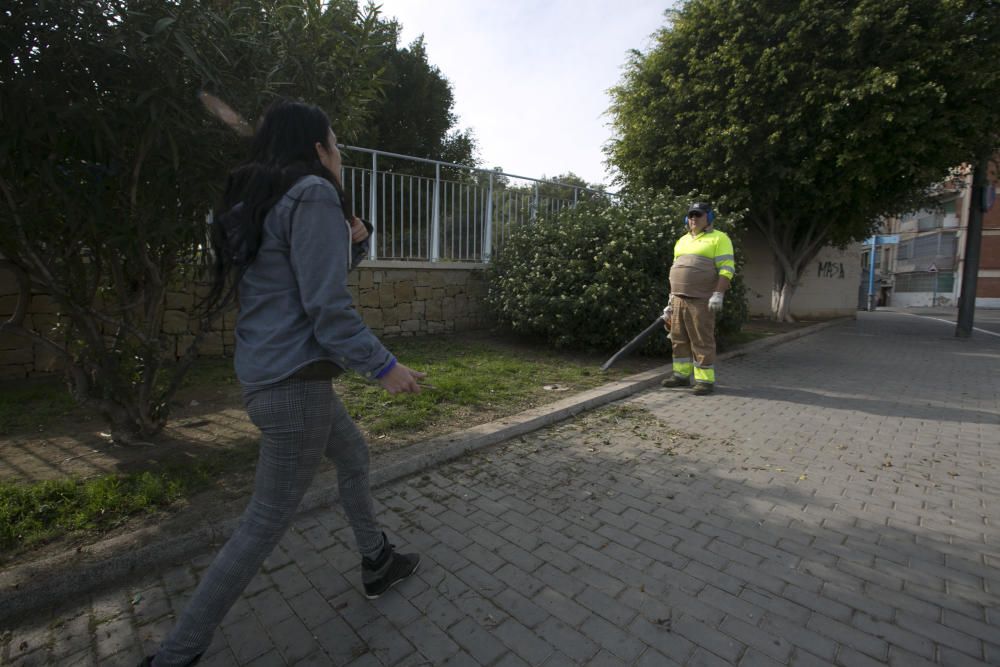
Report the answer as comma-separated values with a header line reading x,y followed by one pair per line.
x,y
401,379
358,230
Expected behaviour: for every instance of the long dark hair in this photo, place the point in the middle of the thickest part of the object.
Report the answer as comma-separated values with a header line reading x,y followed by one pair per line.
x,y
283,151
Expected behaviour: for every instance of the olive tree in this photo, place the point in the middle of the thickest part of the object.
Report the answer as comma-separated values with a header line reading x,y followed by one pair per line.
x,y
813,117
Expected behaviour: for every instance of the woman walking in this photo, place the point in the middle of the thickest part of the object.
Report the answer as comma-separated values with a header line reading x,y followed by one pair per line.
x,y
285,241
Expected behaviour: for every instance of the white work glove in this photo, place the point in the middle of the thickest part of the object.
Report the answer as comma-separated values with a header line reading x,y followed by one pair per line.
x,y
715,303
668,312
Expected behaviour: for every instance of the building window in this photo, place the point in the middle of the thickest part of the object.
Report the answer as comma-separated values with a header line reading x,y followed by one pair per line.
x,y
925,282
926,246
949,245
928,221
931,245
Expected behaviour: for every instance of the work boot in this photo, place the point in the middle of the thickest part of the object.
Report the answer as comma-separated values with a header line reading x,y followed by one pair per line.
x,y
386,570
703,388
676,381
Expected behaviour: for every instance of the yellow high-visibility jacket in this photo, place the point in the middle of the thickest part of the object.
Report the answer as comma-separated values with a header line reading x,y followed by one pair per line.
x,y
699,261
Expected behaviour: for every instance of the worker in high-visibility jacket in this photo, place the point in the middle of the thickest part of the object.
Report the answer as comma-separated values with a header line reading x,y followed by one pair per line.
x,y
703,267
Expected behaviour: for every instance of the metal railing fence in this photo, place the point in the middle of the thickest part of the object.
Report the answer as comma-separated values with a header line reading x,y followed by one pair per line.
x,y
435,211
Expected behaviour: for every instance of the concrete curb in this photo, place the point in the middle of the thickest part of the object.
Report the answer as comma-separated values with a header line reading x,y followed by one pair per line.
x,y
47,583
764,343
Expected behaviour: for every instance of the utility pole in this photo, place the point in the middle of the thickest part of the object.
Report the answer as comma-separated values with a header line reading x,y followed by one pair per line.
x,y
973,242
871,274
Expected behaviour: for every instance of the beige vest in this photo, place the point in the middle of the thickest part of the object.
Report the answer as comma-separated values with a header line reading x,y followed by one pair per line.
x,y
693,276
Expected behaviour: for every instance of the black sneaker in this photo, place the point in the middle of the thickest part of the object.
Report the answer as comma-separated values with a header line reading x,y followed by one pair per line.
x,y
387,570
676,381
703,388
148,660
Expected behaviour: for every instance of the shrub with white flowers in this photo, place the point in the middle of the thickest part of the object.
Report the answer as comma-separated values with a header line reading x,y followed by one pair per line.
x,y
594,276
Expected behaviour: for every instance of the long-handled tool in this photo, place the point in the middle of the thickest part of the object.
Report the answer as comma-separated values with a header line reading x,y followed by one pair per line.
x,y
657,325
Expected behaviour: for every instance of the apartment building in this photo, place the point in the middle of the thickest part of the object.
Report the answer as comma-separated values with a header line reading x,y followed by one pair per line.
x,y
925,267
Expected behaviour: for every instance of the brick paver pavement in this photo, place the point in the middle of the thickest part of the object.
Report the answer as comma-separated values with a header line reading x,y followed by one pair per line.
x,y
834,503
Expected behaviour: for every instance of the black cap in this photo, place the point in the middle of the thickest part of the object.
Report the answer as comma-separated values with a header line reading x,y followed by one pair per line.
x,y
700,206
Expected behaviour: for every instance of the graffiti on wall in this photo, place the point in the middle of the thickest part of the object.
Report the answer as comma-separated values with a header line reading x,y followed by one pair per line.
x,y
830,270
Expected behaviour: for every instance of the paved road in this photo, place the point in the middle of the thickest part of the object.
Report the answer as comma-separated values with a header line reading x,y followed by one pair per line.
x,y
836,502
986,321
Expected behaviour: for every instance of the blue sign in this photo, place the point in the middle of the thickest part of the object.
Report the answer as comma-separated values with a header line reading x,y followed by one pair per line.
x,y
883,239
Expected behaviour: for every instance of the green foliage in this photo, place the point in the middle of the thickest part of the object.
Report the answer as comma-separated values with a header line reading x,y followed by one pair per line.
x,y
107,180
465,376
526,199
34,513
814,117
564,188
735,312
415,115
596,275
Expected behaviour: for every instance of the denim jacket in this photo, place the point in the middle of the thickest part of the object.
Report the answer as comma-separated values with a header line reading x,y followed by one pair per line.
x,y
295,307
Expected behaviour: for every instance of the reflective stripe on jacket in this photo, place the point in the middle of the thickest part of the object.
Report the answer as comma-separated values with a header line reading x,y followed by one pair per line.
x,y
698,263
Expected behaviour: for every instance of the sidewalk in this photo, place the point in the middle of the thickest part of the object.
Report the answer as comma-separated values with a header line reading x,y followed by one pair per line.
x,y
834,503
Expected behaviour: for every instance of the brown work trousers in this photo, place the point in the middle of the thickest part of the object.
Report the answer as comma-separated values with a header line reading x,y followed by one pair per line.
x,y
692,333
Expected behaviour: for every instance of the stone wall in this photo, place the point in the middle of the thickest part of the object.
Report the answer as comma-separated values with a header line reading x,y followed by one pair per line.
x,y
395,299
419,298
18,356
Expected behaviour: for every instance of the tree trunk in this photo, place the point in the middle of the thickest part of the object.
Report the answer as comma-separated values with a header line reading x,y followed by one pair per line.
x,y
782,292
790,253
782,300
118,403
130,432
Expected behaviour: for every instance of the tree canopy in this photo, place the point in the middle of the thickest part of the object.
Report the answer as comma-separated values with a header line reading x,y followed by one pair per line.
x,y
415,115
813,117
109,165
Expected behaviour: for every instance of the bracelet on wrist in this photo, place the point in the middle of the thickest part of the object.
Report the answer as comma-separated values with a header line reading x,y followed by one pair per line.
x,y
385,370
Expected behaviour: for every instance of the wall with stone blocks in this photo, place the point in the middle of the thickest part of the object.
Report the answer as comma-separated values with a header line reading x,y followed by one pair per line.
x,y
395,299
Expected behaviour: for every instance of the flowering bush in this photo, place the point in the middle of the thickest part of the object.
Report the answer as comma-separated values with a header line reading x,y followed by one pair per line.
x,y
594,276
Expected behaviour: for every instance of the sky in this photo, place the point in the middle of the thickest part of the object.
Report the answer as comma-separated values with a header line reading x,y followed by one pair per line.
x,y
530,77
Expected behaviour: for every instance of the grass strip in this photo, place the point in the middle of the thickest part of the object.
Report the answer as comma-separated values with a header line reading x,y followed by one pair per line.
x,y
464,377
468,377
32,514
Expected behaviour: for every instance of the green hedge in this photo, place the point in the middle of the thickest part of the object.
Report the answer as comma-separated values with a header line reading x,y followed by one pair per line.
x,y
594,276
